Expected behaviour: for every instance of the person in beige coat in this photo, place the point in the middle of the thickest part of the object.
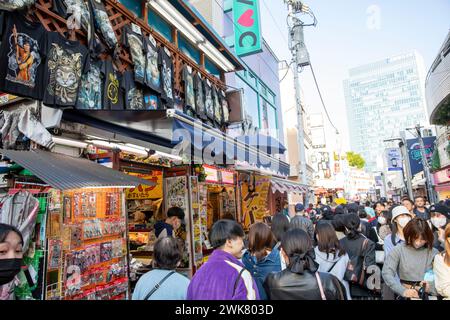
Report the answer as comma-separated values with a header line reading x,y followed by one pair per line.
x,y
441,268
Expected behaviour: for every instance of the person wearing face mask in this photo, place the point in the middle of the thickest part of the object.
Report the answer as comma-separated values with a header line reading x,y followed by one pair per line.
x,y
410,261
166,228
400,218
379,207
441,268
440,216
223,276
11,254
301,280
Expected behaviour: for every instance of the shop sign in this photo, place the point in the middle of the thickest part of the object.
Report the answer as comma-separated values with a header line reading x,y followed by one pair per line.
x,y
227,177
442,176
254,200
247,30
393,159
212,174
147,192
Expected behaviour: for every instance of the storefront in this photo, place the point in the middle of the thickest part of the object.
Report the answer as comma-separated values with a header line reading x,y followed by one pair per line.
x,y
442,183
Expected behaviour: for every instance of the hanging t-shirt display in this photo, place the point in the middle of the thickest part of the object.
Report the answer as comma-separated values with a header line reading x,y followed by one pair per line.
x,y
75,11
188,88
199,97
66,61
11,5
22,57
166,68
112,90
151,100
103,24
90,93
209,104
132,39
134,96
225,109
153,60
217,107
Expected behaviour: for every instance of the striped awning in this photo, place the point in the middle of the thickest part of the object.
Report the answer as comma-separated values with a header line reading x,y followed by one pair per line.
x,y
287,186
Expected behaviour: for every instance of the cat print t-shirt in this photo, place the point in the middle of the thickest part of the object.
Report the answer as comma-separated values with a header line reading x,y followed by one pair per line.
x,y
166,69
22,57
209,104
134,42
152,62
134,97
188,89
90,93
199,97
66,62
113,93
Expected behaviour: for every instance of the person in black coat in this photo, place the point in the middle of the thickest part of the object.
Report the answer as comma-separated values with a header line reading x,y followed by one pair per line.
x,y
301,280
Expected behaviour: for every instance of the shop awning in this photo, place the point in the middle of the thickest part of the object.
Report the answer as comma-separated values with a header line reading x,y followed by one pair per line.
x,y
288,186
65,173
263,143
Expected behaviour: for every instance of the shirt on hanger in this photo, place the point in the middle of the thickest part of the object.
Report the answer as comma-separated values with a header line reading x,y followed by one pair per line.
x,y
134,42
90,93
153,60
75,11
134,97
225,109
166,68
209,104
66,61
103,24
22,57
151,100
199,97
113,94
188,88
11,5
218,114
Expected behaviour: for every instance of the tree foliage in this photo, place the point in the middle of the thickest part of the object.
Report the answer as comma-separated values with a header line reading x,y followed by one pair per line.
x,y
355,160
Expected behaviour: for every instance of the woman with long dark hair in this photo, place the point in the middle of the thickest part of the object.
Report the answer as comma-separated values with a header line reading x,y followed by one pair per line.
x,y
441,268
301,280
260,258
279,226
11,254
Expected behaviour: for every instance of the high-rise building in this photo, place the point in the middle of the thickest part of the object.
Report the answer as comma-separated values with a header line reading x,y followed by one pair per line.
x,y
384,98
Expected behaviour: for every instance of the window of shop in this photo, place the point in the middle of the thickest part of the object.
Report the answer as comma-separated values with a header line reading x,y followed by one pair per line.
x,y
211,68
160,25
268,118
134,6
187,48
251,105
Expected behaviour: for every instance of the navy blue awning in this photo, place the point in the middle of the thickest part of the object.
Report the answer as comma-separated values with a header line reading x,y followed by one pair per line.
x,y
264,143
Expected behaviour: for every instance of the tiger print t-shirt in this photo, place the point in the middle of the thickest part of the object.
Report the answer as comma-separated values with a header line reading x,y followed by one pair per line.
x,y
90,92
66,62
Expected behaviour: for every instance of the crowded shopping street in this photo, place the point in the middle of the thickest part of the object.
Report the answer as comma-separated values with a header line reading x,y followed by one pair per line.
x,y
188,152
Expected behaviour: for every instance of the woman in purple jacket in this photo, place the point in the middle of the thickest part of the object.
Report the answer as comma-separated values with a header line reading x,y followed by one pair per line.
x,y
223,276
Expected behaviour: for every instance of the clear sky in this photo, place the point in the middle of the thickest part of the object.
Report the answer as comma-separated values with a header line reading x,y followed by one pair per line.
x,y
355,32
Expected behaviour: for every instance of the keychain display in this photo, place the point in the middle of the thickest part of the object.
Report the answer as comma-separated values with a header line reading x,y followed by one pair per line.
x,y
112,204
117,248
105,251
76,205
54,253
92,229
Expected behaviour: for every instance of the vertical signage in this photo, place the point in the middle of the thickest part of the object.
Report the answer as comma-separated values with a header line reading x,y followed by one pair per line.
x,y
394,159
247,27
415,156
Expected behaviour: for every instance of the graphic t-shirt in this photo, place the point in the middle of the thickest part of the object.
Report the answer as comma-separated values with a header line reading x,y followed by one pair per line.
x,y
152,62
90,93
151,100
66,61
11,5
209,104
166,68
134,96
199,97
134,42
189,95
75,11
225,109
22,57
113,93
218,112
103,24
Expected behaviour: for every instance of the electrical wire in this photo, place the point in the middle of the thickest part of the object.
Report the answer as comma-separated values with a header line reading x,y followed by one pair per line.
x,y
321,98
287,71
276,23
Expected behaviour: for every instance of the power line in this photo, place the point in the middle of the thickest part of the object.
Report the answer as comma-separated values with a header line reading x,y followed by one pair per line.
x,y
321,98
276,24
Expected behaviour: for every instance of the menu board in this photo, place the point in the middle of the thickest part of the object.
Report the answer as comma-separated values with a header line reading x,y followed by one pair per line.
x,y
176,195
212,174
227,177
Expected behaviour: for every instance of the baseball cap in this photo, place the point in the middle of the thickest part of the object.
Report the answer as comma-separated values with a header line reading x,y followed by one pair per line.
x,y
299,207
442,209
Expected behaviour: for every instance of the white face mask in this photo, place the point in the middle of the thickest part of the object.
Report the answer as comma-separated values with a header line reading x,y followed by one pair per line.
x,y
381,220
403,221
439,222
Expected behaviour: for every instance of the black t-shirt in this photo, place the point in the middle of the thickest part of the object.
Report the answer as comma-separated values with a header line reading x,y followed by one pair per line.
x,y
218,114
103,24
151,100
199,97
113,94
90,92
68,9
152,63
134,42
166,68
22,57
66,61
134,96
209,104
225,109
189,94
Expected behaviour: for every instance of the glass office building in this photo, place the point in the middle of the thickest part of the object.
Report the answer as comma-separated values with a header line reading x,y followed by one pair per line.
x,y
382,99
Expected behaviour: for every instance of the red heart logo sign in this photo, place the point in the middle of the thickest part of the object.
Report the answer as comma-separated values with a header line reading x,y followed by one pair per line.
x,y
246,19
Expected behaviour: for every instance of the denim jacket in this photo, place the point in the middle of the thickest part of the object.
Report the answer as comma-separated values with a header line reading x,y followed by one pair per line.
x,y
261,269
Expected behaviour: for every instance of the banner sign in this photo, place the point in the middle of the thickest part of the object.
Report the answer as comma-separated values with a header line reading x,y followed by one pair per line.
x,y
247,29
254,200
414,154
147,192
212,174
393,159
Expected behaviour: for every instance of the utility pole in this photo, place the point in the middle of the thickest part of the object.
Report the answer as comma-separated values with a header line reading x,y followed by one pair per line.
x,y
426,167
300,58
